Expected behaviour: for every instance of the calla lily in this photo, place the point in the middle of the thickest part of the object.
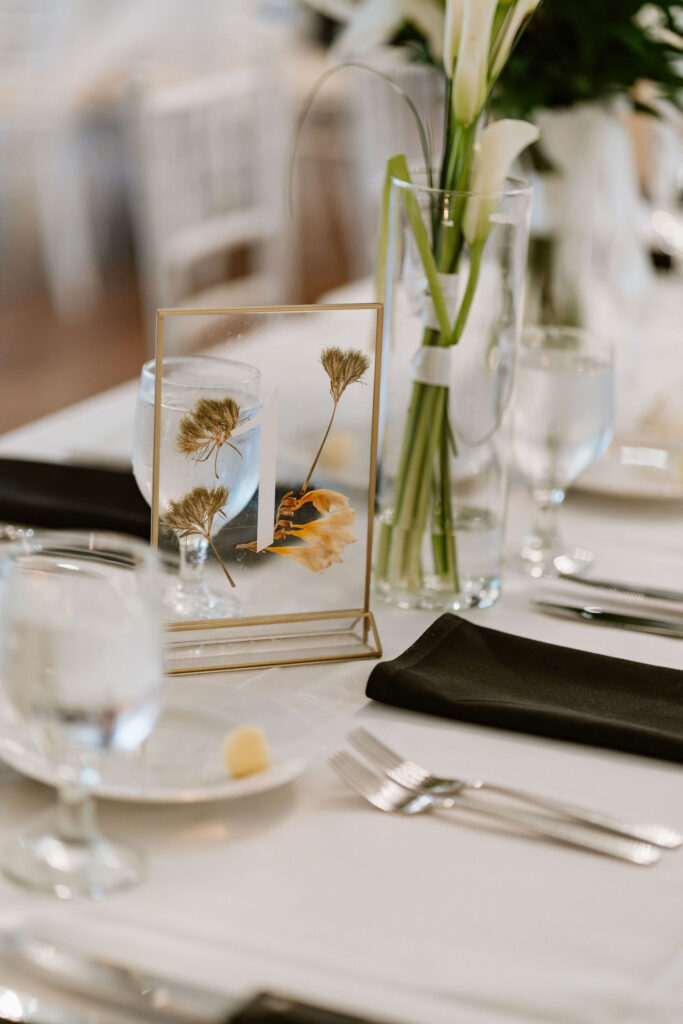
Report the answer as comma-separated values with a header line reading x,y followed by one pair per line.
x,y
501,143
508,33
451,33
470,83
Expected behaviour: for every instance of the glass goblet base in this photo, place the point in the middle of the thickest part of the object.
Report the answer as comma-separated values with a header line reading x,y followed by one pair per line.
x,y
537,558
194,601
44,861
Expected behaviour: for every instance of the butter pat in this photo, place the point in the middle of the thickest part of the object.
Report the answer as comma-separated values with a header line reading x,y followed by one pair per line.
x,y
245,751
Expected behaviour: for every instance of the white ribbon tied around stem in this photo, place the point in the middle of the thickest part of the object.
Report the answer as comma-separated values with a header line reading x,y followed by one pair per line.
x,y
432,365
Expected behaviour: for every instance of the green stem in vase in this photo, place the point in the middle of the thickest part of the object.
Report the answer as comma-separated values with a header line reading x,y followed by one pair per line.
x,y
411,511
398,168
476,253
447,564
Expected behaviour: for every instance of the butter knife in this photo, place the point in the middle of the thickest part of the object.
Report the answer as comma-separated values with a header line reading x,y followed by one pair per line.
x,y
593,613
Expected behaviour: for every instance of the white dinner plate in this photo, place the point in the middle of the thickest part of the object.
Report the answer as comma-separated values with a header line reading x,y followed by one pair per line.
x,y
637,468
181,762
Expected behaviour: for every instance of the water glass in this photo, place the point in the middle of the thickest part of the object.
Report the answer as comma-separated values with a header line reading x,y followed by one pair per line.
x,y
562,424
81,666
225,460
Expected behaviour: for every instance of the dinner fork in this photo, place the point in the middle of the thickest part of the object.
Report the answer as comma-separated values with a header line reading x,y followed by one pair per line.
x,y
387,795
420,780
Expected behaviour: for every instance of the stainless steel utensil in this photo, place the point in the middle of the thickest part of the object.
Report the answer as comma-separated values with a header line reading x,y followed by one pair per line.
x,y
593,613
421,780
387,795
112,984
117,994
623,588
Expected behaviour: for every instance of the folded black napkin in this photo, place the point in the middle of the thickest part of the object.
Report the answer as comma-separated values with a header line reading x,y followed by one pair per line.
x,y
67,497
462,671
57,496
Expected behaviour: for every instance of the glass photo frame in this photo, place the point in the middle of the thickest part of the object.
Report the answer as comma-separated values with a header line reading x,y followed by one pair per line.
x,y
256,442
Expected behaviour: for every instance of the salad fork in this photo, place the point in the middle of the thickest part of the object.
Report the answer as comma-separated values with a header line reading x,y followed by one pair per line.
x,y
420,780
387,795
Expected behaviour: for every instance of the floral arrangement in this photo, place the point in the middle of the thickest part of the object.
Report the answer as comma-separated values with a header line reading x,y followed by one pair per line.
x,y
571,52
471,40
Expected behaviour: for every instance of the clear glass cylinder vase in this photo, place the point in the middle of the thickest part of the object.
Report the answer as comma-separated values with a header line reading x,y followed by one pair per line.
x,y
453,314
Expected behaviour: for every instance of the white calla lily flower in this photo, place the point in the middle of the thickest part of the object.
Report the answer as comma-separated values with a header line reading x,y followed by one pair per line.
x,y
500,145
451,33
470,82
506,37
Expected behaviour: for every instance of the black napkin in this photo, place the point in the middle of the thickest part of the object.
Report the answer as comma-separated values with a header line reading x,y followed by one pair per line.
x,y
49,494
67,497
462,671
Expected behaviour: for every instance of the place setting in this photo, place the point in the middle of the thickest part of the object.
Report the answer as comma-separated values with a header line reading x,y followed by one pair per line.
x,y
341,471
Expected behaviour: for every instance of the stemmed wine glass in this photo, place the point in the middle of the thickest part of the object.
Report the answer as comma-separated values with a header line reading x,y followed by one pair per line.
x,y
81,669
207,405
562,423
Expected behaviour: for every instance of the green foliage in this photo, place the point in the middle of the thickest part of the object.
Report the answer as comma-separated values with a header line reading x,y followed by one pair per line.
x,y
575,51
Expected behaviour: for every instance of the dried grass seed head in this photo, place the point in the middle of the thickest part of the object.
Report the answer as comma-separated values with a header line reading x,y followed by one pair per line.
x,y
343,367
196,510
211,421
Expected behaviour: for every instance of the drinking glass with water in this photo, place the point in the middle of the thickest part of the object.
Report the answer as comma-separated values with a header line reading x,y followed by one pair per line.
x,y
229,461
562,424
81,670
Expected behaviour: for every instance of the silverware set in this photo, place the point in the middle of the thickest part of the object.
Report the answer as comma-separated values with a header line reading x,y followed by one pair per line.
x,y
396,785
610,603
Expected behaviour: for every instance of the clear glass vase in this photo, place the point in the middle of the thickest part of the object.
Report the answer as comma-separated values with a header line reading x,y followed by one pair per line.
x,y
442,472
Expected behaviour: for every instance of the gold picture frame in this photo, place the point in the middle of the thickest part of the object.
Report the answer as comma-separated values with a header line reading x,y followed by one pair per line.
x,y
259,641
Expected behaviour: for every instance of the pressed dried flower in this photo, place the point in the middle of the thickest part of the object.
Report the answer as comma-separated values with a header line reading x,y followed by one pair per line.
x,y
343,367
206,429
194,513
324,539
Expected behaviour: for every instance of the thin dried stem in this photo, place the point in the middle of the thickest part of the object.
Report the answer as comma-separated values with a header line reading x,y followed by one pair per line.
x,y
319,452
221,562
343,367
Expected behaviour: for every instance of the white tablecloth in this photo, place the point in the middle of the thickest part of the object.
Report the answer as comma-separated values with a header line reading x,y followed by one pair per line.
x,y
430,920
